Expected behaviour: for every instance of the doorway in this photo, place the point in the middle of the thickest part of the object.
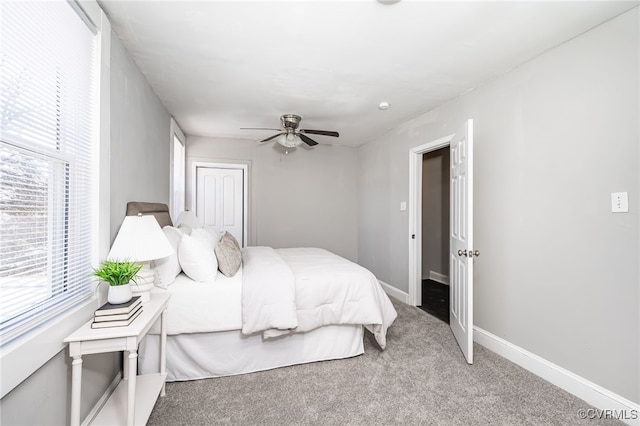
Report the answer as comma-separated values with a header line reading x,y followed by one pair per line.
x,y
415,214
435,233
461,251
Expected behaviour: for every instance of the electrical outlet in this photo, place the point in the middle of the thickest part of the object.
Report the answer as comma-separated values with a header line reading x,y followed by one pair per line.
x,y
619,202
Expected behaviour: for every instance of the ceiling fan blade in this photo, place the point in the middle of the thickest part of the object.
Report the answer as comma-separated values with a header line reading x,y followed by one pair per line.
x,y
321,132
258,128
307,140
271,137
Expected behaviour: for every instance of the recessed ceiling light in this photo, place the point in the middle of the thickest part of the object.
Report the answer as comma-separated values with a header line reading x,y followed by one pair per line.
x,y
388,1
383,105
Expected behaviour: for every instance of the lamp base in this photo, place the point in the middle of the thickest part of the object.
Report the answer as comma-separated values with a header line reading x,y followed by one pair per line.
x,y
145,278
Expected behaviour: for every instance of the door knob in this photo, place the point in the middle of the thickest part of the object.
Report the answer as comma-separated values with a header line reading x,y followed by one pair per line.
x,y
475,253
462,252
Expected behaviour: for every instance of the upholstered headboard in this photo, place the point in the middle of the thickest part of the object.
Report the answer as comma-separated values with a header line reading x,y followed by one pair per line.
x,y
159,210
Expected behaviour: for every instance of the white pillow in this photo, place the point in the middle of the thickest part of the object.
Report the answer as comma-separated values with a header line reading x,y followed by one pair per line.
x,y
210,237
197,259
185,229
211,230
167,269
187,221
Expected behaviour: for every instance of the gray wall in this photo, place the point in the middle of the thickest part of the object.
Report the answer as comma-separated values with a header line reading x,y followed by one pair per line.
x,y
558,275
140,138
139,171
435,212
306,198
44,397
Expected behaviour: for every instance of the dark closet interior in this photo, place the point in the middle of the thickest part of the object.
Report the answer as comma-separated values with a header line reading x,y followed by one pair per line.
x,y
435,233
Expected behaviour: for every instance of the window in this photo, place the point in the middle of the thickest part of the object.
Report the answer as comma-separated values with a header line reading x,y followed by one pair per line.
x,y
178,162
48,153
178,178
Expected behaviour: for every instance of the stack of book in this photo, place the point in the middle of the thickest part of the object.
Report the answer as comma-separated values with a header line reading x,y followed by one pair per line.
x,y
119,315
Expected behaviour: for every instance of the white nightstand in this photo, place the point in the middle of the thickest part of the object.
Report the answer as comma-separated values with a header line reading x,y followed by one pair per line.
x,y
132,401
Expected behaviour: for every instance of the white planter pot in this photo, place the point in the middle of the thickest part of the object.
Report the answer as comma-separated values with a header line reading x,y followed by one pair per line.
x,y
119,294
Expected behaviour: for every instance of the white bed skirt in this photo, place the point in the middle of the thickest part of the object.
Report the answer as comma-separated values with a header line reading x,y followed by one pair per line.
x,y
226,353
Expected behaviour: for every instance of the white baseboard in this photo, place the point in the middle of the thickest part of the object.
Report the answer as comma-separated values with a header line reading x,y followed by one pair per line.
x,y
394,292
613,404
103,400
438,277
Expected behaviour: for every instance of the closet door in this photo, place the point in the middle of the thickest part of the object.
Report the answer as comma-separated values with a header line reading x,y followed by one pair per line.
x,y
220,200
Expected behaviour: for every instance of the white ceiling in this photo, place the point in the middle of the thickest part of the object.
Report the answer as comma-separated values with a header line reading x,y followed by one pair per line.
x,y
221,65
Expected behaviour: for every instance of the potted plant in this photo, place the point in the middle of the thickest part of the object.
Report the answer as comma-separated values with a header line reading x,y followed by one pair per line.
x,y
119,276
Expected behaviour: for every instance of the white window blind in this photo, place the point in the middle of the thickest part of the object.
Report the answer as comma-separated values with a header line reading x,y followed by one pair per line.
x,y
48,146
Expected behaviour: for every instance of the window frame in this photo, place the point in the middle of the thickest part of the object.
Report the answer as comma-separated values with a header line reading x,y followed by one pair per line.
x,y
27,353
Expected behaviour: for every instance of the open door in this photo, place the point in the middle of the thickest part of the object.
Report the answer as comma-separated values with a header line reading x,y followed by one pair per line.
x,y
461,247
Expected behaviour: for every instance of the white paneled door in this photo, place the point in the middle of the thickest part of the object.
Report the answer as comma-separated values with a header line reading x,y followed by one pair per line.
x,y
462,253
220,200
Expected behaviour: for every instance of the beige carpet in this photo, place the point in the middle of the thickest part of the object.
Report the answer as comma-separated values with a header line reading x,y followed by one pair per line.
x,y
421,378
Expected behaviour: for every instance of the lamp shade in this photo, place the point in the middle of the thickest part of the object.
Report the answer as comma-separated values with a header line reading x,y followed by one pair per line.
x,y
187,218
140,239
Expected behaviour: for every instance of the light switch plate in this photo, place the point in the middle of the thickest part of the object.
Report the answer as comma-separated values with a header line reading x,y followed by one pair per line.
x,y
403,206
619,202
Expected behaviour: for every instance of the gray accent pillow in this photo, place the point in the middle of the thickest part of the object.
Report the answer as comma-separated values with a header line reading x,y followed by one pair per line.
x,y
229,255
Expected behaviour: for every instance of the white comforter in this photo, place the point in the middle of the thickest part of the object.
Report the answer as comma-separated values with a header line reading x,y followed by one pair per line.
x,y
268,292
296,290
203,307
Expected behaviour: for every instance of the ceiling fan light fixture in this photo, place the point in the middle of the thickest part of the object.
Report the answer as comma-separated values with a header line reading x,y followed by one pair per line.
x,y
289,140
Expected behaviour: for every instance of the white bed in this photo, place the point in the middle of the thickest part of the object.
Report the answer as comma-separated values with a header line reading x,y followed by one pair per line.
x,y
206,355
329,300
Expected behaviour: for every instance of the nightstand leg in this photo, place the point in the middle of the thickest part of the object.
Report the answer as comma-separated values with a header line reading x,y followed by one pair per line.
x,y
163,348
76,382
131,390
125,365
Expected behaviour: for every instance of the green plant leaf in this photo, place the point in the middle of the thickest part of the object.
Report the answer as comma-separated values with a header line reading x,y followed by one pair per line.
x,y
118,273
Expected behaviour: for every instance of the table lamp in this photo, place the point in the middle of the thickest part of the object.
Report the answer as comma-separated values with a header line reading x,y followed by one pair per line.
x,y
140,239
187,218
187,222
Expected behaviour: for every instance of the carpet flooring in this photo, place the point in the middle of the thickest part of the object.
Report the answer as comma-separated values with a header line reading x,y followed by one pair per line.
x,y
421,378
435,299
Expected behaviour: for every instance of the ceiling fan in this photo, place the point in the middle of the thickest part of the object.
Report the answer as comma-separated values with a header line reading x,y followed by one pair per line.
x,y
290,136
